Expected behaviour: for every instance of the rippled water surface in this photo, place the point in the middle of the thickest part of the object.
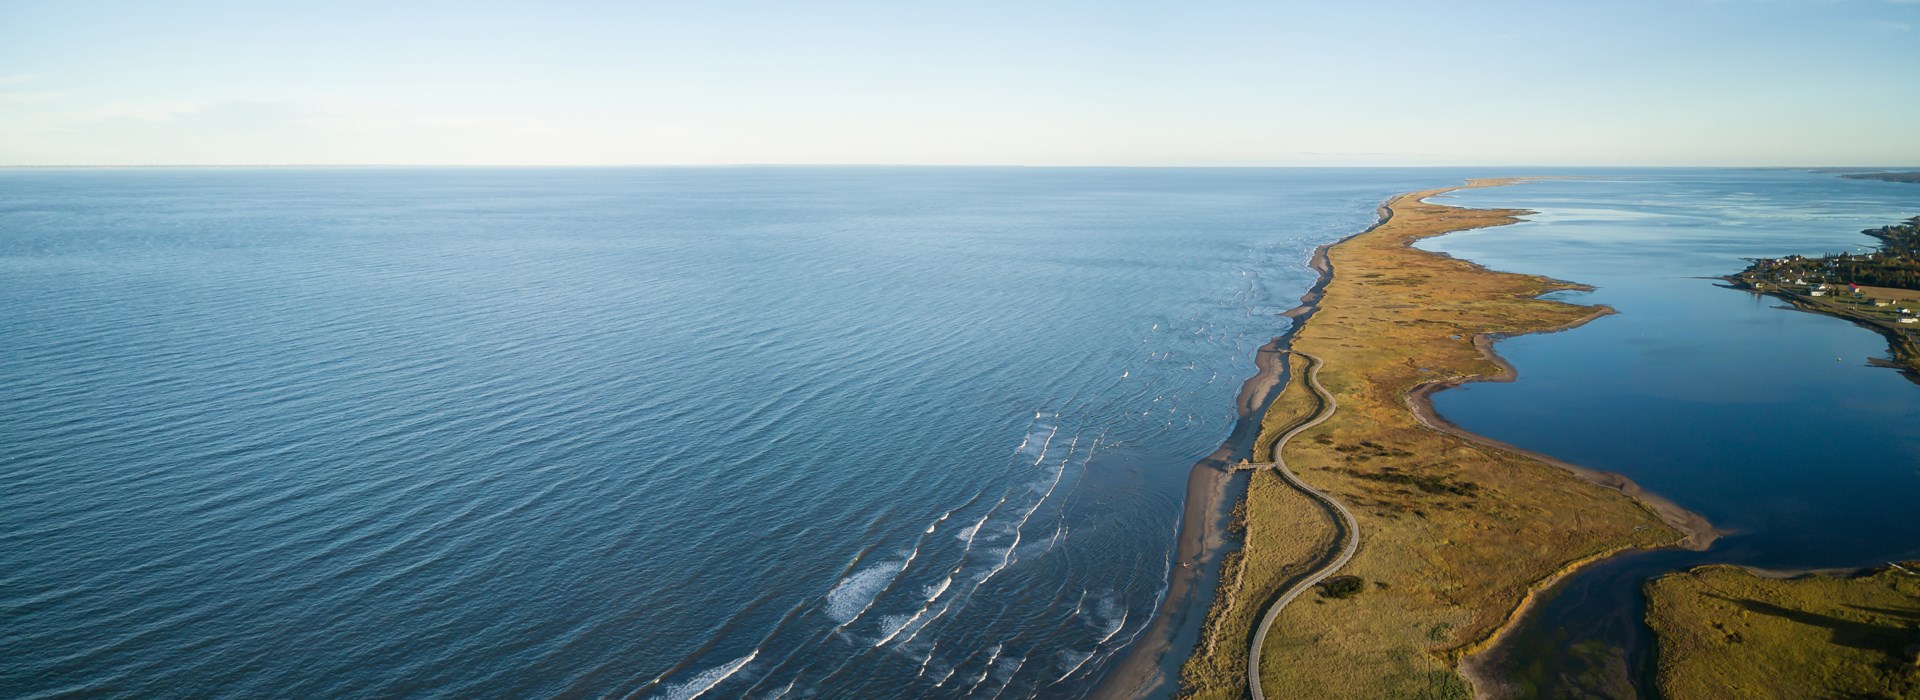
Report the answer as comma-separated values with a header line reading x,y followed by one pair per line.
x,y
733,432
1769,422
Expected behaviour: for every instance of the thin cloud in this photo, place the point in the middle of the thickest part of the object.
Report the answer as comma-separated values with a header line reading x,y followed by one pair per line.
x,y
148,111
31,98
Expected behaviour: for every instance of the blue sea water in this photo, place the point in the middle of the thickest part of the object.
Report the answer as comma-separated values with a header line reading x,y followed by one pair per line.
x,y
1768,421
722,432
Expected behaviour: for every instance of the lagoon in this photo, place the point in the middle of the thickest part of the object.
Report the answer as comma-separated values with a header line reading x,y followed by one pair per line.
x,y
1768,421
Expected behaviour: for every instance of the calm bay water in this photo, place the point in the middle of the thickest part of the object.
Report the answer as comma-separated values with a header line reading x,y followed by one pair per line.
x,y
1769,422
666,432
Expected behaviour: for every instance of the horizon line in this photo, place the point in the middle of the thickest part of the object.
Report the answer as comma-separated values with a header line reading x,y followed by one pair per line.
x,y
103,166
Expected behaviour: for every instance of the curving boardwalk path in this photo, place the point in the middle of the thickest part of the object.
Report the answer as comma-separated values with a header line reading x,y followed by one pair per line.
x,y
1349,545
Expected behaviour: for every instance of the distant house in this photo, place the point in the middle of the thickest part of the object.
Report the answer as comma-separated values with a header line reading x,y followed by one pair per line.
x,y
1818,292
1908,319
1882,302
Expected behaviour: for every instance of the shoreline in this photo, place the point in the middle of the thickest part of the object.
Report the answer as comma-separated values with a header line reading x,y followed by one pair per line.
x,y
1905,352
1203,537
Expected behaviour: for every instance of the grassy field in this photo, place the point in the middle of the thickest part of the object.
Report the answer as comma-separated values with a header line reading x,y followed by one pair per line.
x,y
1283,532
1454,535
1726,632
1890,294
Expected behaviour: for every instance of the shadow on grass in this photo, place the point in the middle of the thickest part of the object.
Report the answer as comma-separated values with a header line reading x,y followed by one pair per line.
x,y
1909,614
1890,639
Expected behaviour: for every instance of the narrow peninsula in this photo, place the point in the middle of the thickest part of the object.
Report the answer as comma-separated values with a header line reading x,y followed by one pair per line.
x,y
1456,532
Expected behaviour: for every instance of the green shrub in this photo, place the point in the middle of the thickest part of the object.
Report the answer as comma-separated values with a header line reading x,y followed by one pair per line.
x,y
1342,587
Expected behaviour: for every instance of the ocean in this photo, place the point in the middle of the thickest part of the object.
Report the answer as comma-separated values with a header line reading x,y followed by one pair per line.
x,y
657,432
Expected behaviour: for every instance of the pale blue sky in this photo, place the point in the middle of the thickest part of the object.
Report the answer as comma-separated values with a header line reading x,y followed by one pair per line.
x,y
1620,82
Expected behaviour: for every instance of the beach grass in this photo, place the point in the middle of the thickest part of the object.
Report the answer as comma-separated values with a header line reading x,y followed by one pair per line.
x,y
1728,632
1282,532
1456,534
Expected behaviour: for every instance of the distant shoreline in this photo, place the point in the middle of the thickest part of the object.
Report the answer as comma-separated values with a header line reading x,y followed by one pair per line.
x,y
1913,177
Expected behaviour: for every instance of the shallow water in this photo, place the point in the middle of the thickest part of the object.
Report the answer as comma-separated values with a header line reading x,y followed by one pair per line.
x,y
1767,421
669,432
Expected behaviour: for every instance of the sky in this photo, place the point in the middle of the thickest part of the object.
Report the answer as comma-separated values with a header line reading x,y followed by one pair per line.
x,y
1003,82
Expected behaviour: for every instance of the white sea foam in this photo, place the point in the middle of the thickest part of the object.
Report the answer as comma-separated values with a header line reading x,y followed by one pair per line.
x,y
936,522
1041,455
906,622
966,534
992,655
781,693
1073,660
900,626
944,607
700,684
853,595
1114,627
1006,679
1059,533
923,662
1006,556
1039,431
895,623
